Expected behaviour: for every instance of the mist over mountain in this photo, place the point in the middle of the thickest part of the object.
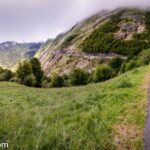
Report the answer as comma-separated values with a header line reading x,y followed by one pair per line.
x,y
123,31
37,20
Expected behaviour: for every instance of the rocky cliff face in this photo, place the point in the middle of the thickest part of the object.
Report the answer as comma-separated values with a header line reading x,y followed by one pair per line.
x,y
64,53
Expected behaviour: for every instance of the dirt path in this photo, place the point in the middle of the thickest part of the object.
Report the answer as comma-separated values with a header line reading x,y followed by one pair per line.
x,y
147,126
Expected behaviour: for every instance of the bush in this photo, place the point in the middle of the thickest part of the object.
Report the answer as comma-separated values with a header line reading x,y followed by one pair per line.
x,y
46,83
57,81
15,79
116,63
78,77
6,76
131,65
102,73
29,80
144,57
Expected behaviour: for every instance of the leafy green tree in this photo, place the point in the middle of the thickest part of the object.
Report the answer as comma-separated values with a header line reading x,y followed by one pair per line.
x,y
102,73
37,71
116,63
57,81
24,69
78,77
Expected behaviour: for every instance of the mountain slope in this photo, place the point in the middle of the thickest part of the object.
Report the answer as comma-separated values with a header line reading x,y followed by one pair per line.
x,y
12,52
104,35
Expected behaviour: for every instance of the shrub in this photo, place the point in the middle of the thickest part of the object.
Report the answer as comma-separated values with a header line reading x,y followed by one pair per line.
x,y
6,76
122,68
15,79
144,57
57,81
78,77
46,84
116,63
29,80
131,65
102,73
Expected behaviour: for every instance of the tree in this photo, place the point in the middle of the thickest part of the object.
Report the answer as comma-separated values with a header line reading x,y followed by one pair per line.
x,y
57,81
78,77
102,73
37,71
24,69
116,63
29,80
6,75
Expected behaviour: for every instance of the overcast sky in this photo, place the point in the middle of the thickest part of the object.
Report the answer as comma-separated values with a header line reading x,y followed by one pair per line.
x,y
38,20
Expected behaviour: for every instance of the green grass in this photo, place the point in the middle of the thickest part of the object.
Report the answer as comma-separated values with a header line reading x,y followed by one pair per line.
x,y
76,118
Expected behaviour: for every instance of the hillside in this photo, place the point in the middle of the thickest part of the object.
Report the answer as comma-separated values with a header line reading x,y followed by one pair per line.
x,y
12,52
109,115
123,32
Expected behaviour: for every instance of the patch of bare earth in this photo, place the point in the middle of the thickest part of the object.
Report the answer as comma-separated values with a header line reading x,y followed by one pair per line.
x,y
126,134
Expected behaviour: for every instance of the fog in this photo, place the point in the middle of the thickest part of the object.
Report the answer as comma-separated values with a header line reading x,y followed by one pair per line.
x,y
38,20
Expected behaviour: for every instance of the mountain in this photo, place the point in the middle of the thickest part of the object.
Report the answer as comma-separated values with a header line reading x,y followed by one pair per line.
x,y
12,52
123,32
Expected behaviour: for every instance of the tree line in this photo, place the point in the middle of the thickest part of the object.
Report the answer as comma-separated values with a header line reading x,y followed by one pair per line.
x,y
29,72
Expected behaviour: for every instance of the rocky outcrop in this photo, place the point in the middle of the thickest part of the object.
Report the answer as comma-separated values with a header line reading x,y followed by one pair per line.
x,y
130,25
63,61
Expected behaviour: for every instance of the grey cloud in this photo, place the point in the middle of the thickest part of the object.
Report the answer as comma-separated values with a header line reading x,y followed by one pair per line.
x,y
36,20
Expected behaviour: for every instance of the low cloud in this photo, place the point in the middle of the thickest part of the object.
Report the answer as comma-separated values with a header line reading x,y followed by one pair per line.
x,y
36,20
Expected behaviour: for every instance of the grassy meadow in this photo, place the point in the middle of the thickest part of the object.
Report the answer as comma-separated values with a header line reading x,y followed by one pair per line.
x,y
104,116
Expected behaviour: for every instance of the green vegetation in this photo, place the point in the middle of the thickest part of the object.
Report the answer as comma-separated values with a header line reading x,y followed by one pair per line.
x,y
69,39
87,117
37,71
57,81
78,77
102,39
24,69
140,60
102,73
30,73
5,74
116,63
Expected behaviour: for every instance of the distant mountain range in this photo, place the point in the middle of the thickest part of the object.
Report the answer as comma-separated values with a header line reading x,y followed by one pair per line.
x,y
12,52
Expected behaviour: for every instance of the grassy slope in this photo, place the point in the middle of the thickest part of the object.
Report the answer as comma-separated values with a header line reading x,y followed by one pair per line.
x,y
97,116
